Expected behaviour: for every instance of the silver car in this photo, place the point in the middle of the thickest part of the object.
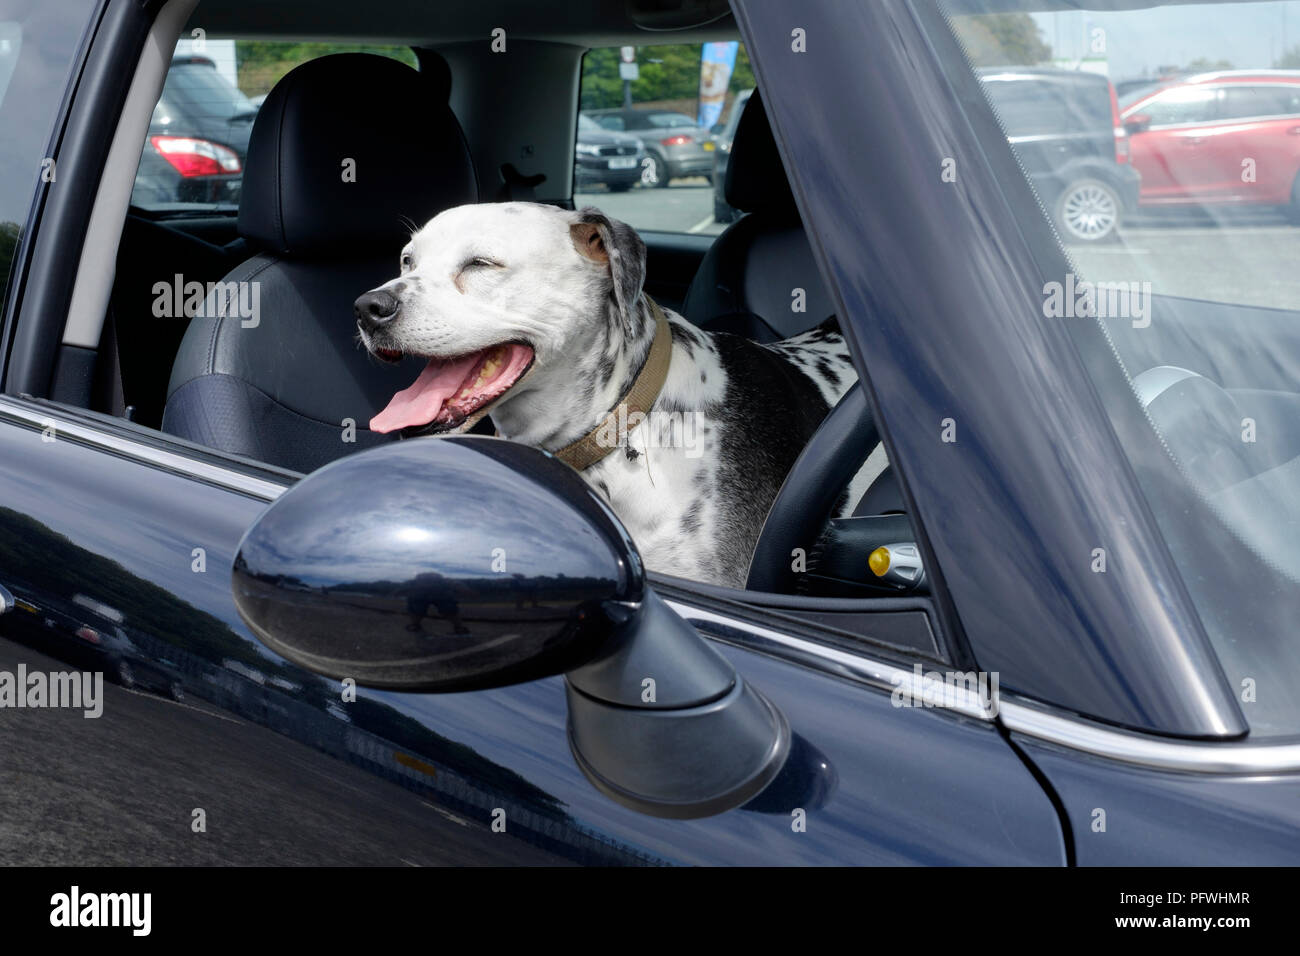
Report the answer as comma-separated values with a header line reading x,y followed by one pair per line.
x,y
675,146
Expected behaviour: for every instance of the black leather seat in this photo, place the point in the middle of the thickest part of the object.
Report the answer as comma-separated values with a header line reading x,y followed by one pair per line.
x,y
282,391
755,265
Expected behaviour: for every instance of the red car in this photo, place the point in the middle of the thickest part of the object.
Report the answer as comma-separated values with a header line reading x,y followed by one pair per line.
x,y
1229,137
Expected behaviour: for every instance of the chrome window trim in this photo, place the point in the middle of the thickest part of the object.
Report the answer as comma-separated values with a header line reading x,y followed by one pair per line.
x,y
1015,714
17,412
1189,756
1029,719
865,670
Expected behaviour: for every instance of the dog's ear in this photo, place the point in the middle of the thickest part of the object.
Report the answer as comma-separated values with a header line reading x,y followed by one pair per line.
x,y
608,241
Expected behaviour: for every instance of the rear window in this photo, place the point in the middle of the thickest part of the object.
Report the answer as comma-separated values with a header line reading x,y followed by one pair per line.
x,y
676,100
192,161
1037,104
668,120
1248,101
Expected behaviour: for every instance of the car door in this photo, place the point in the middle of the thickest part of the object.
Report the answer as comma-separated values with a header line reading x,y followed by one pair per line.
x,y
1258,150
261,761
273,762
1176,152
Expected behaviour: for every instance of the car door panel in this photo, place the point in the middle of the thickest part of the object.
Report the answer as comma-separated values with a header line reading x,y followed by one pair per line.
x,y
287,769
1128,815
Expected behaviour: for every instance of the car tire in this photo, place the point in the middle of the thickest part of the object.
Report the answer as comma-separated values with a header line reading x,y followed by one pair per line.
x,y
618,187
1088,210
125,675
1293,210
654,173
177,691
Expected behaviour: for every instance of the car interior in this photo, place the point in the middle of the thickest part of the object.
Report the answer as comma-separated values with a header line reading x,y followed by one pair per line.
x,y
185,359
460,129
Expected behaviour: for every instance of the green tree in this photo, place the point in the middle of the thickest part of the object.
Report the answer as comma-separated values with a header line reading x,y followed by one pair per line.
x,y
1002,39
665,73
261,64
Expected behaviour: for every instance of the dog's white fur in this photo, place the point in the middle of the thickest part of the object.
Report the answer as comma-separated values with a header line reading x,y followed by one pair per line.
x,y
568,284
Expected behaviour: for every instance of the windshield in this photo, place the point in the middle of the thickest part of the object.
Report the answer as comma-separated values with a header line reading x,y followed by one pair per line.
x,y
1179,214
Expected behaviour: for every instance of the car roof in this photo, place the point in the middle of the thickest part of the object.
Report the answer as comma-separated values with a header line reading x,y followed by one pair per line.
x,y
1050,73
591,23
1238,76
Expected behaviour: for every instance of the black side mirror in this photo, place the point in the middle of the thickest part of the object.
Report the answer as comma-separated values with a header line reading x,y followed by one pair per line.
x,y
1137,123
438,565
461,563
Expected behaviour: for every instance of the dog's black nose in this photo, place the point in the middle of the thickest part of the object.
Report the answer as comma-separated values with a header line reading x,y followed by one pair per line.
x,y
375,308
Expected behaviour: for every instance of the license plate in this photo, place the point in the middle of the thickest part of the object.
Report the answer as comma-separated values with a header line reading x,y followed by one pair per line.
x,y
708,146
622,162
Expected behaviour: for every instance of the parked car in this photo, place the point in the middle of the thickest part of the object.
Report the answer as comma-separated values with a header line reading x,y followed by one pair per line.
x,y
1064,125
615,160
1191,138
198,137
674,145
91,635
448,650
723,135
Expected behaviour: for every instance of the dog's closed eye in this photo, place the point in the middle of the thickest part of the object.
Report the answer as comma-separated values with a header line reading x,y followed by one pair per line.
x,y
474,262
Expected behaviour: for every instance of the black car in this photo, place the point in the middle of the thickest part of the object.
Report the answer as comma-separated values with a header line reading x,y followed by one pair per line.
x,y
448,650
1065,127
602,157
198,137
724,134
87,633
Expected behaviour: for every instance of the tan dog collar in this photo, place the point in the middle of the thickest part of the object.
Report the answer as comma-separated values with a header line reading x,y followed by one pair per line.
x,y
595,445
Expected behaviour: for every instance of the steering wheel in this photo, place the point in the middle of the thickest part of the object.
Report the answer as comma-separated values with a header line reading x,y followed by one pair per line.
x,y
811,491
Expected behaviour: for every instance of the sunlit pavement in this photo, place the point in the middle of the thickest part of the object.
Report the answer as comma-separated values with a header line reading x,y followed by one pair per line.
x,y
1249,258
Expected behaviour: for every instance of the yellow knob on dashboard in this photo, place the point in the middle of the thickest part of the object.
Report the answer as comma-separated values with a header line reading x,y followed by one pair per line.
x,y
878,561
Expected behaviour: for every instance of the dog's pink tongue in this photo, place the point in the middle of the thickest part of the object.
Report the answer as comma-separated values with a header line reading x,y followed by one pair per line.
x,y
421,403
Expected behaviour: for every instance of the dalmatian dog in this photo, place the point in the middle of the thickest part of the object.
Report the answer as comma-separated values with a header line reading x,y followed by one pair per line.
x,y
536,314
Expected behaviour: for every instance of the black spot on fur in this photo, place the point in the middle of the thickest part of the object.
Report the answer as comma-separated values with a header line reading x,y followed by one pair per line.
x,y
691,520
827,372
770,411
685,338
605,371
704,377
632,453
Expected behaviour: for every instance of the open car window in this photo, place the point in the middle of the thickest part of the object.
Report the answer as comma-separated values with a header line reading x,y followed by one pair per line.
x,y
192,160
1181,223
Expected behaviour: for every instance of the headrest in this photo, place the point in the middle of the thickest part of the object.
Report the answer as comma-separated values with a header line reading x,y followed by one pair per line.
x,y
345,152
755,177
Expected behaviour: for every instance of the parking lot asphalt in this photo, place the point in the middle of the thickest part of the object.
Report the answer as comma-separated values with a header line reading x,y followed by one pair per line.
x,y
1249,259
116,793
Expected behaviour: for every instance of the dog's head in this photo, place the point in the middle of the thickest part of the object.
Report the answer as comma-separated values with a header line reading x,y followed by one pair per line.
x,y
495,295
